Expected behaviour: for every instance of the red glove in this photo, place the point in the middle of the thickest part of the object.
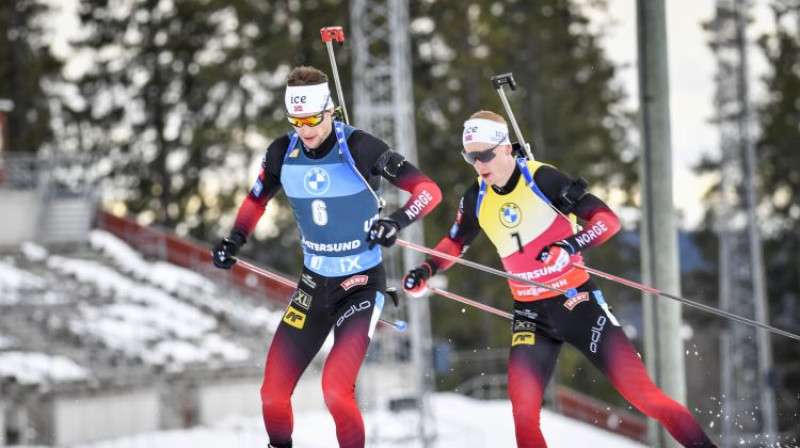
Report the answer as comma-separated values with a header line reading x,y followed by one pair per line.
x,y
556,255
416,281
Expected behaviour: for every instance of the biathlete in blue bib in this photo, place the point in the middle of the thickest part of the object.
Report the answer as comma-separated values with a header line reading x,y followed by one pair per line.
x,y
331,173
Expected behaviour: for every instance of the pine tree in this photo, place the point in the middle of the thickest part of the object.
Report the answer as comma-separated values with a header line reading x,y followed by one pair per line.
x,y
26,65
778,149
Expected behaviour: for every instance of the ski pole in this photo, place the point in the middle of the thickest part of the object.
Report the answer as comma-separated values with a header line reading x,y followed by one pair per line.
x,y
470,302
497,83
329,34
685,301
399,325
508,78
571,292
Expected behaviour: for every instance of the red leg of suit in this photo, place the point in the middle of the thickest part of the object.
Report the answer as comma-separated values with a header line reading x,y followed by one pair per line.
x,y
339,379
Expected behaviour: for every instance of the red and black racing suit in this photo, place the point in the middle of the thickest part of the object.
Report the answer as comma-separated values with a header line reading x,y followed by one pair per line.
x,y
348,301
521,225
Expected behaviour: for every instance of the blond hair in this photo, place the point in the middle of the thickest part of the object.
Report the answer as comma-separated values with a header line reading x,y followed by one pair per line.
x,y
489,115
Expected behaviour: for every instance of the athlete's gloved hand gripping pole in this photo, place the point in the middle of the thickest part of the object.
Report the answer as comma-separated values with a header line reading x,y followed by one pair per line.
x,y
384,232
224,253
415,283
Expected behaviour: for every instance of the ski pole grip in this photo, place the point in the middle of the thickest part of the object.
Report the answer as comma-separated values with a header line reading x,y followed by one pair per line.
x,y
505,78
330,33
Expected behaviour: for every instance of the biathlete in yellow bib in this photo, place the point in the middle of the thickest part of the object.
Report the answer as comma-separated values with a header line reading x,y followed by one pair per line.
x,y
529,210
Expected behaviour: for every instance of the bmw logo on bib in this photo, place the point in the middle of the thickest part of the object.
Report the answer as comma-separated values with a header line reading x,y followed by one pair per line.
x,y
317,181
510,215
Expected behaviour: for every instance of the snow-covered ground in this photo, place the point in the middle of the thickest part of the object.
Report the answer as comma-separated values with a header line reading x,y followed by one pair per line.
x,y
460,422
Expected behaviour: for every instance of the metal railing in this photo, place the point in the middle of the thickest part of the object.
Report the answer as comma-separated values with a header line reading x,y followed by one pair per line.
x,y
54,197
485,387
19,172
70,175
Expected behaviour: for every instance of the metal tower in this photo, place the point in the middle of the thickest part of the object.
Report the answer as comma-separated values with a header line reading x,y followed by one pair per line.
x,y
748,396
384,106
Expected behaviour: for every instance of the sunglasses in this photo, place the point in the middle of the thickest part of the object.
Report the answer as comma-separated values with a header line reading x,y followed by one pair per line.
x,y
311,121
485,156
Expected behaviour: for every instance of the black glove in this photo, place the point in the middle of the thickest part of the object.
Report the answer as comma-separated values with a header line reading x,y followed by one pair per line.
x,y
224,253
417,279
383,232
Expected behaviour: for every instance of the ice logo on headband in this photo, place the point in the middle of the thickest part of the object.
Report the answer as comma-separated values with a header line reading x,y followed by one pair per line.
x,y
308,98
484,131
297,102
470,131
499,136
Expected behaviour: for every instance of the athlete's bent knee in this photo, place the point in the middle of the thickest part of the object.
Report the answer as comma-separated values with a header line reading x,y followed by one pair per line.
x,y
272,397
337,397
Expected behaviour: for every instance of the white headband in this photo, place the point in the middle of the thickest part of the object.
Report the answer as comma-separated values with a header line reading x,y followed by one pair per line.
x,y
485,131
301,100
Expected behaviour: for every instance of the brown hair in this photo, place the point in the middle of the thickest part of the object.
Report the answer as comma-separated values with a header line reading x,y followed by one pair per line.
x,y
488,115
306,76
